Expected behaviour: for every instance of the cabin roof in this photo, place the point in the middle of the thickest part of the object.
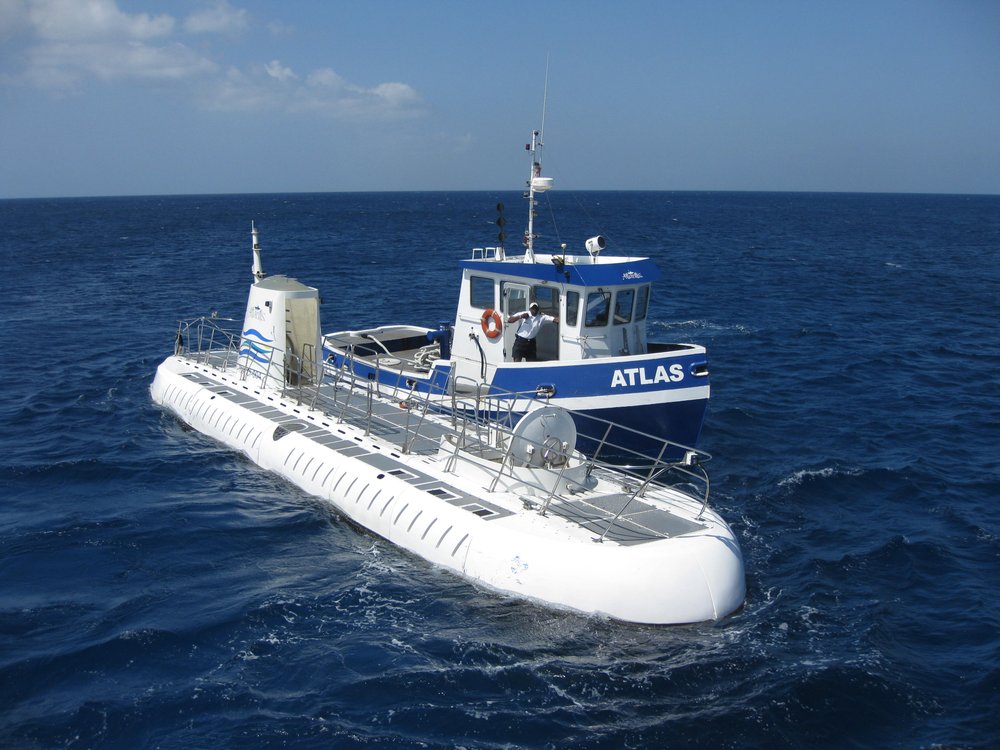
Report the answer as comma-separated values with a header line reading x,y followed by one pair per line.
x,y
281,283
608,271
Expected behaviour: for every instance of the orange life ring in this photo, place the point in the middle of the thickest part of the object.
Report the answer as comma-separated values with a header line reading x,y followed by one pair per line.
x,y
492,325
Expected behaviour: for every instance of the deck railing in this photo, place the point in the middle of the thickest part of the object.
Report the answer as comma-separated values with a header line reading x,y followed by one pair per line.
x,y
481,420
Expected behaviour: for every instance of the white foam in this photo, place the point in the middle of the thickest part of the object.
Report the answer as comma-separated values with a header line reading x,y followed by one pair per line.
x,y
825,473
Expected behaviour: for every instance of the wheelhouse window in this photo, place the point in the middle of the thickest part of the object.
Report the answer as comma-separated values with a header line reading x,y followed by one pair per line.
x,y
481,292
514,297
547,299
623,305
642,303
598,306
572,308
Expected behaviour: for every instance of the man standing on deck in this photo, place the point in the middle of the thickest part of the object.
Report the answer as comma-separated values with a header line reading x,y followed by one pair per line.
x,y
531,323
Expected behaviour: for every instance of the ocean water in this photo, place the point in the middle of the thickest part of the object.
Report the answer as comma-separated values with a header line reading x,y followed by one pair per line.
x,y
159,591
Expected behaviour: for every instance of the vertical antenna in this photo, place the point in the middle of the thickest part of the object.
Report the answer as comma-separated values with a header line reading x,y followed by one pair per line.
x,y
545,98
536,183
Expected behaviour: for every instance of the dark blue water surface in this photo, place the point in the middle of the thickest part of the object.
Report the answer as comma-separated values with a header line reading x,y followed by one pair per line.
x,y
158,591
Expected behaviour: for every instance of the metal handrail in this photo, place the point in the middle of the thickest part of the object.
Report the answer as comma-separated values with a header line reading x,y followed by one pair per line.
x,y
480,419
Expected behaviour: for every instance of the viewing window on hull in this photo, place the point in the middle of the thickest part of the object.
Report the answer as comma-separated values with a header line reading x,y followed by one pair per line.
x,y
481,292
642,303
572,308
623,305
598,305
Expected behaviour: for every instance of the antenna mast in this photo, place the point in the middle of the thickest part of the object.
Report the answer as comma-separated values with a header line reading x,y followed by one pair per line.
x,y
536,183
545,98
258,267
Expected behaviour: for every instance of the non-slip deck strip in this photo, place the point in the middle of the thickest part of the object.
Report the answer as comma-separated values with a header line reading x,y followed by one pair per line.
x,y
348,447
638,524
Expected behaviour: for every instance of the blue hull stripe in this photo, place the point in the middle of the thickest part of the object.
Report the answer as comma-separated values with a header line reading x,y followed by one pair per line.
x,y
670,410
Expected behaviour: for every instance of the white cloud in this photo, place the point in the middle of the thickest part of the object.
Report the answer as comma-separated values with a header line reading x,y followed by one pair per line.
x,y
69,41
13,16
279,72
279,29
58,64
397,95
235,91
276,87
61,65
92,19
327,92
221,18
325,77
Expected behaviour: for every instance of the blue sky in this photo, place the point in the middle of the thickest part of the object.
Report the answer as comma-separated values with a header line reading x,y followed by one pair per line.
x,y
122,97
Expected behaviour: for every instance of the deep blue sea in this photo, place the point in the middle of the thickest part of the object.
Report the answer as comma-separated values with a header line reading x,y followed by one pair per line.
x,y
159,591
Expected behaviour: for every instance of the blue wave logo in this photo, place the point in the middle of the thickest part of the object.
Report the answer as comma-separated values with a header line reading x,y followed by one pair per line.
x,y
258,351
254,332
